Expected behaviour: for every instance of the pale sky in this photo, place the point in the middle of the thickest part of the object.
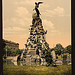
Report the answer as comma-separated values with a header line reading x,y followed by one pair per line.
x,y
55,15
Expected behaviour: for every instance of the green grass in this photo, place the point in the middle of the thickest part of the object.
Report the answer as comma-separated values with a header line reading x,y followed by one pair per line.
x,y
37,70
62,59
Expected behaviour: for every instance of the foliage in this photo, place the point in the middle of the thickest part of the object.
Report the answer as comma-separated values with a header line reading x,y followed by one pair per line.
x,y
68,49
15,52
65,56
18,51
9,51
59,49
52,49
48,58
3,47
64,59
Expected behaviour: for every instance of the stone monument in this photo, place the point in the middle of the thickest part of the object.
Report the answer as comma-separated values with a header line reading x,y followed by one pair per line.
x,y
36,46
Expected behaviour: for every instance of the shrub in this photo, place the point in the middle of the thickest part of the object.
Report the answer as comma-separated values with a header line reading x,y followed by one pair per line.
x,y
64,59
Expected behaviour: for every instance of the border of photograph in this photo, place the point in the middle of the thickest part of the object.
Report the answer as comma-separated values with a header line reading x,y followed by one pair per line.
x,y
72,36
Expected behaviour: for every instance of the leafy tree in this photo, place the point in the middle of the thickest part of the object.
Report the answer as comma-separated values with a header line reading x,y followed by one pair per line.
x,y
59,49
17,51
64,59
3,46
48,58
3,51
20,51
13,53
9,51
52,49
68,49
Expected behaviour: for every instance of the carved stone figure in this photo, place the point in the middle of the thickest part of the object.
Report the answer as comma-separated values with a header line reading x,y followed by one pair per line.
x,y
36,8
36,46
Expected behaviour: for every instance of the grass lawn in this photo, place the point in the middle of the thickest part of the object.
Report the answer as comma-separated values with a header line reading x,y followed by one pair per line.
x,y
37,70
62,59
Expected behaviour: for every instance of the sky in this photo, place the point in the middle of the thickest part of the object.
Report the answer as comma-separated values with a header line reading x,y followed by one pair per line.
x,y
55,15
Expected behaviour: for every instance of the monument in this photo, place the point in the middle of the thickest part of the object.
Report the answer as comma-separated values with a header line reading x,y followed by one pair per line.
x,y
36,46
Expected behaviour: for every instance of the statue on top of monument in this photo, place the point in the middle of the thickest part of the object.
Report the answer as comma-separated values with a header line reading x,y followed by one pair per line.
x,y
36,8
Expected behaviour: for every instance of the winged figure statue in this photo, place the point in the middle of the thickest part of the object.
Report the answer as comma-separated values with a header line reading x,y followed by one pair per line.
x,y
36,8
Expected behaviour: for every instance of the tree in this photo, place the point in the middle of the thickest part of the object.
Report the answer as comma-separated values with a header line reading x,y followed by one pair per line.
x,y
3,45
13,52
9,51
68,49
48,58
17,51
59,49
64,59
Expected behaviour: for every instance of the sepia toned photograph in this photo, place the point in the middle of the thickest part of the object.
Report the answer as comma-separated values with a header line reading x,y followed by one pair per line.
x,y
36,37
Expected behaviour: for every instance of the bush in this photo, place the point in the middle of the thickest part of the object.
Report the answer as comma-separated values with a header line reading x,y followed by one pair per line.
x,y
48,58
15,52
64,59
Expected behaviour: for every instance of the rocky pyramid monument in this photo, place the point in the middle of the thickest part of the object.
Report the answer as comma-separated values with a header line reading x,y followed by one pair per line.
x,y
36,46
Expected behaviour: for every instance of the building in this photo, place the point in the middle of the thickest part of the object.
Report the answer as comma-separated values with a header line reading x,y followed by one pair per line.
x,y
11,45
